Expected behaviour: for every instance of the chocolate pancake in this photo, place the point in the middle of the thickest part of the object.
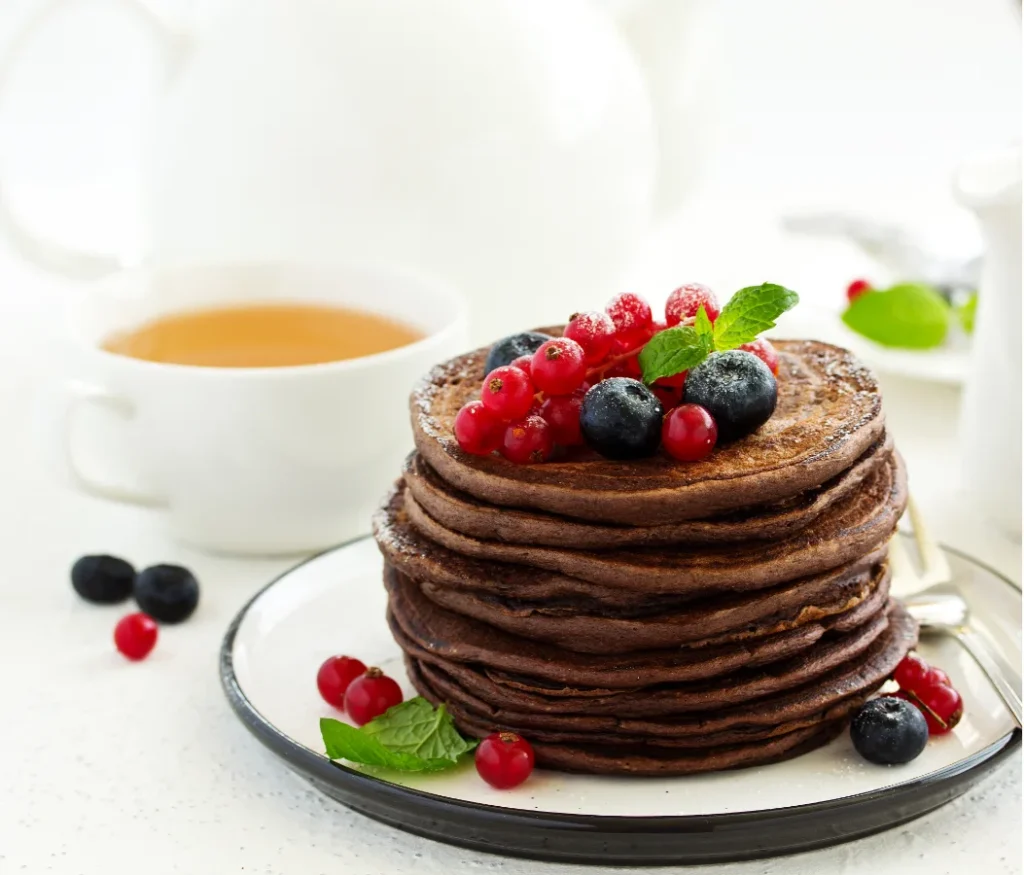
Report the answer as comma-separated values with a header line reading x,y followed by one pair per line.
x,y
463,513
435,635
648,626
842,534
828,415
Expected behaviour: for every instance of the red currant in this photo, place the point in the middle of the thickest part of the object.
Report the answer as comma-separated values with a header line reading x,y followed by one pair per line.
x,y
685,301
910,672
562,413
334,677
667,395
558,366
942,707
371,695
935,677
657,327
507,393
765,351
689,433
528,440
594,331
135,635
630,313
857,288
504,760
477,430
525,364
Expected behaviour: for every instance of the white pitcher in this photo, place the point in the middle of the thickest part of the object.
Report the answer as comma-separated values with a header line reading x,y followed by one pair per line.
x,y
990,185
504,145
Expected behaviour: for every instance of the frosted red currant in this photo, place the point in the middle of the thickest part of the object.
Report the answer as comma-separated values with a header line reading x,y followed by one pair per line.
x,y
562,413
528,440
524,363
764,350
371,695
504,760
630,313
477,430
857,288
685,301
507,392
594,332
689,433
558,366
335,676
135,636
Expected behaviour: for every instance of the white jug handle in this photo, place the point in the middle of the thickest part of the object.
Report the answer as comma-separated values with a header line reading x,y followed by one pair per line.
x,y
44,253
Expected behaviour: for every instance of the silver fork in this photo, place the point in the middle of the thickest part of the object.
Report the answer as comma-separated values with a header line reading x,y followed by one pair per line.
x,y
940,609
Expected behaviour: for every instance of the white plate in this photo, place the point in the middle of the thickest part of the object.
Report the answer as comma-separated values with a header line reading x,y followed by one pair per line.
x,y
334,603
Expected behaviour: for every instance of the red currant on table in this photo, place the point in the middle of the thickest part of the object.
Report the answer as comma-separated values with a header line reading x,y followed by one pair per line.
x,y
507,392
558,366
689,433
528,440
477,430
630,313
524,363
857,288
135,636
594,332
335,676
371,695
562,413
765,351
685,301
504,760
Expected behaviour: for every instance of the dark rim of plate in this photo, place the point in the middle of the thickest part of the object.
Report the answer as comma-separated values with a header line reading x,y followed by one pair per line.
x,y
614,839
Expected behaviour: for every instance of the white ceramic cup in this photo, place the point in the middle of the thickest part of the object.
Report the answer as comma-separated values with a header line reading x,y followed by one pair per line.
x,y
249,460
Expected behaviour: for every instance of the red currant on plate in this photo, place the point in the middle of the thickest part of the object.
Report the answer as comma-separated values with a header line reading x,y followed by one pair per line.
x,y
477,430
524,363
507,393
857,288
371,695
594,331
335,676
504,760
558,366
765,351
135,636
910,672
528,440
689,433
685,301
562,413
942,707
630,313
935,677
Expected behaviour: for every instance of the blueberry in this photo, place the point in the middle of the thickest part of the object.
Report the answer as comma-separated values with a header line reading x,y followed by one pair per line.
x,y
105,580
736,388
168,593
508,349
621,419
889,731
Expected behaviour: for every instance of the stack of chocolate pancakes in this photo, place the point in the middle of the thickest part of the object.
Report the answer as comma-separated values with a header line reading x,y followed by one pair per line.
x,y
654,617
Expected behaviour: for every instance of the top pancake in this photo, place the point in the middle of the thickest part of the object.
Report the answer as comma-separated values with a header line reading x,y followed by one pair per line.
x,y
828,415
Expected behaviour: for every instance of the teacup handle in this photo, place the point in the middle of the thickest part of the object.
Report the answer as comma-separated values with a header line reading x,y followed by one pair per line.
x,y
73,397
37,249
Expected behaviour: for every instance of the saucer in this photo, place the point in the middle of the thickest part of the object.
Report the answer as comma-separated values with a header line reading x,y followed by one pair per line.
x,y
334,603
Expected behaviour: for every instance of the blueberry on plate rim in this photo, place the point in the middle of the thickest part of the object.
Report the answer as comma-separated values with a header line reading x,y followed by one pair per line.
x,y
105,580
889,731
620,418
736,388
168,593
508,349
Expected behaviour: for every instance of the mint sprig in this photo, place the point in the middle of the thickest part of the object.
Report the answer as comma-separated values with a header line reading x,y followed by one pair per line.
x,y
411,737
908,316
749,312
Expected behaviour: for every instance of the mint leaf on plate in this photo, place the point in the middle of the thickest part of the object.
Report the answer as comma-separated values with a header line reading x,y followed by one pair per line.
x,y
966,311
908,316
416,727
749,312
674,350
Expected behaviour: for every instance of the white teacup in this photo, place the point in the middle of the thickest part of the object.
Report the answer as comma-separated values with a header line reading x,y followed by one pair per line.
x,y
250,460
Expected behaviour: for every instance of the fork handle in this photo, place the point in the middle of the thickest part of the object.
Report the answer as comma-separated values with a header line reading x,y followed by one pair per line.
x,y
1004,677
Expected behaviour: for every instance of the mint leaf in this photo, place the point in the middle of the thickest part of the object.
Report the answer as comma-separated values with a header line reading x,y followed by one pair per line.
x,y
751,311
674,350
417,728
344,742
966,311
703,326
907,316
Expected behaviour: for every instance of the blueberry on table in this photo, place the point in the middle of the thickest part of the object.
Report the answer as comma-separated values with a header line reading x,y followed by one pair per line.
x,y
620,418
508,349
168,593
105,580
889,731
736,388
